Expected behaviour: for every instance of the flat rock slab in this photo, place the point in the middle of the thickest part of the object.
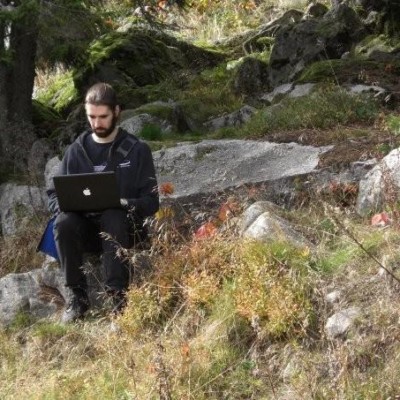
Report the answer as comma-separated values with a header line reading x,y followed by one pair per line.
x,y
215,165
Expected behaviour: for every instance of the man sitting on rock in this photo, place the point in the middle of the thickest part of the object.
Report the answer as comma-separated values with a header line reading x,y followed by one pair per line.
x,y
105,147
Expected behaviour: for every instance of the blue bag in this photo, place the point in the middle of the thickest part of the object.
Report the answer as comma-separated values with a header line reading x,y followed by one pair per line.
x,y
47,244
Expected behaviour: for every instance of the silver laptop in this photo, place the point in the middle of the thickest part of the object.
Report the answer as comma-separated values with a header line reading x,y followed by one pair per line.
x,y
87,192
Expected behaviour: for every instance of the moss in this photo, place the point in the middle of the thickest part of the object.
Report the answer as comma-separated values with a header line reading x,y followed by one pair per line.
x,y
161,110
353,70
377,43
43,114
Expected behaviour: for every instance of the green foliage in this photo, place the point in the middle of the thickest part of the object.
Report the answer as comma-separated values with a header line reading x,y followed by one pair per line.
x,y
66,27
48,331
393,124
325,108
209,94
377,43
151,132
60,94
271,288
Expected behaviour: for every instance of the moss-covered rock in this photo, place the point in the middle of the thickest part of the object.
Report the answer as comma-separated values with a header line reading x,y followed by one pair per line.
x,y
352,71
133,59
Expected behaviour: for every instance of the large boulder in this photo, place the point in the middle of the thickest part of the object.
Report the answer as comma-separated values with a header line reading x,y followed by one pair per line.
x,y
18,201
380,185
300,44
215,165
250,76
139,57
39,293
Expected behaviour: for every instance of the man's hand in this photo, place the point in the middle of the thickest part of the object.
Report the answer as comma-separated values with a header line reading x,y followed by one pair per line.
x,y
124,203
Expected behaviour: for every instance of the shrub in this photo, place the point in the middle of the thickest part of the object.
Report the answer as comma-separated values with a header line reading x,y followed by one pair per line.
x,y
271,288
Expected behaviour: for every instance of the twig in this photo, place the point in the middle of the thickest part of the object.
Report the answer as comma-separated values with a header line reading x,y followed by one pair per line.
x,y
360,245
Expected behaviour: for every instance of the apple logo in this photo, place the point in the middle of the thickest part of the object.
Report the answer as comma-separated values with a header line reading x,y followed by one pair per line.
x,y
87,192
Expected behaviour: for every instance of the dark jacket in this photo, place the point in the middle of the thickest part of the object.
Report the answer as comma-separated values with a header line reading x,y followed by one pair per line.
x,y
135,173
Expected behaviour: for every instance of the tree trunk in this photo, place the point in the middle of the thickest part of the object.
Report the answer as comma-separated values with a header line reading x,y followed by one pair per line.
x,y
23,43
4,69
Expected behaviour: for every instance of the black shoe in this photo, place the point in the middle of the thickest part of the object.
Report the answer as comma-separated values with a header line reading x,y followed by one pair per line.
x,y
76,308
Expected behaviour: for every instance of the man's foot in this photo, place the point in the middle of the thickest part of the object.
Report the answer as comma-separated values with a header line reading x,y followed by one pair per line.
x,y
76,307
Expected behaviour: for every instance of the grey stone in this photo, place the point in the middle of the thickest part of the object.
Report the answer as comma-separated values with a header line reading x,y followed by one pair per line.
x,y
16,200
270,227
384,176
278,91
51,169
302,90
339,323
24,293
135,124
215,165
333,297
236,118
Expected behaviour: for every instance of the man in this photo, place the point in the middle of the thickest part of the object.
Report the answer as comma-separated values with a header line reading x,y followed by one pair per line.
x,y
99,150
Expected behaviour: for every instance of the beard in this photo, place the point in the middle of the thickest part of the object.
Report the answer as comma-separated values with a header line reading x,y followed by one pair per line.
x,y
105,132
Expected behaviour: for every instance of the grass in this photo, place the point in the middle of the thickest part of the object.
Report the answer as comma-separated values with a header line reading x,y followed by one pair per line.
x,y
219,317
18,252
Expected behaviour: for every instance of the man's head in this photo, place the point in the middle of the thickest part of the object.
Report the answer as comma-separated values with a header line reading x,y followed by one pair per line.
x,y
102,109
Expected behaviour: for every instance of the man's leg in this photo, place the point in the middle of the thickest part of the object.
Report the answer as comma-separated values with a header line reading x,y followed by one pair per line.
x,y
116,225
72,231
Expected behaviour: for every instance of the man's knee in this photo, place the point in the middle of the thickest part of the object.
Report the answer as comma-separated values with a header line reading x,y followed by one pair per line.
x,y
67,222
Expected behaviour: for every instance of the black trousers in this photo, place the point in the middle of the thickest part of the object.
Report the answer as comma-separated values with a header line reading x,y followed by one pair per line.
x,y
77,233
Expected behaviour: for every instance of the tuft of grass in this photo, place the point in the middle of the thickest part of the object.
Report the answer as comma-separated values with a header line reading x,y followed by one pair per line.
x,y
18,252
272,288
325,108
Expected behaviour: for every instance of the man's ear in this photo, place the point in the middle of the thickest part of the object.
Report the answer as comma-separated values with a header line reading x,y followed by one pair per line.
x,y
117,110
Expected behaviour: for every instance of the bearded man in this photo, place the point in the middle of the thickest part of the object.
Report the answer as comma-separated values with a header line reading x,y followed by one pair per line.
x,y
99,150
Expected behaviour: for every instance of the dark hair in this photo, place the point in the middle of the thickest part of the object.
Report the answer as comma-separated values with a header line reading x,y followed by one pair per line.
x,y
101,94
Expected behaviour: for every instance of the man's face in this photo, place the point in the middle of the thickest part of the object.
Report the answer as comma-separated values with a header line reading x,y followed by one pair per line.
x,y
102,119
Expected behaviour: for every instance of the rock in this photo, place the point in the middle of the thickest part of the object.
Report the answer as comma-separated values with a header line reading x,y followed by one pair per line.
x,y
278,91
236,118
383,178
289,90
302,90
315,10
138,57
270,29
170,115
339,323
51,170
42,292
333,297
377,90
39,154
26,292
298,45
136,124
215,165
270,227
250,76
16,199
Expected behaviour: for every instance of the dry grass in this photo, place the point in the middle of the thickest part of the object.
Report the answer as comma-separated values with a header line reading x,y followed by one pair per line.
x,y
219,318
18,252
